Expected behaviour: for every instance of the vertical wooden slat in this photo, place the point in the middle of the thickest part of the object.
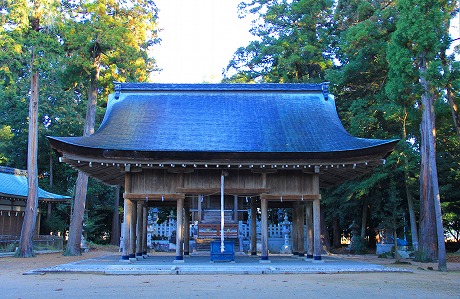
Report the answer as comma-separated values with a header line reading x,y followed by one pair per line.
x,y
187,229
132,229
126,219
253,227
309,224
301,231
144,229
179,224
139,217
316,229
264,229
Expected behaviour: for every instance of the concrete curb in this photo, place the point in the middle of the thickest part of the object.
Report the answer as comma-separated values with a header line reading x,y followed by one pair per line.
x,y
202,266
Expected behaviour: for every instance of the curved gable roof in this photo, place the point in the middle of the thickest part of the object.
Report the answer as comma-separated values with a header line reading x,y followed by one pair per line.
x,y
223,118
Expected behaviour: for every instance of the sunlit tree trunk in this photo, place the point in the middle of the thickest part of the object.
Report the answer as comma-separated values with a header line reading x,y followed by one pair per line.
x,y
431,228
31,212
410,198
30,217
76,221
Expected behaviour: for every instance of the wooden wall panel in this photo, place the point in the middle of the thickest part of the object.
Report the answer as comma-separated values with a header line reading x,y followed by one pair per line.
x,y
202,181
293,182
154,182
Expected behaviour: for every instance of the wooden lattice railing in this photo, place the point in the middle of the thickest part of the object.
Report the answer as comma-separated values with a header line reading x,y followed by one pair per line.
x,y
211,230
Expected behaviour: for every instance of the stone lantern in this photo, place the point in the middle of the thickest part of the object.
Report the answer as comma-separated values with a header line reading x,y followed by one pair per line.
x,y
286,248
354,234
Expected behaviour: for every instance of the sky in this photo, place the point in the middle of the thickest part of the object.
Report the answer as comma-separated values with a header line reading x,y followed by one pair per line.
x,y
199,38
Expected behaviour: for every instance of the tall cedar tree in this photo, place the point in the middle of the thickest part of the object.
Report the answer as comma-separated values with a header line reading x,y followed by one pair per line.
x,y
362,30
29,24
291,45
106,41
414,55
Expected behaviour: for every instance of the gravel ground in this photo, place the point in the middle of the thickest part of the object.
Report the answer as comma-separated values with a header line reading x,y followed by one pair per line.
x,y
424,282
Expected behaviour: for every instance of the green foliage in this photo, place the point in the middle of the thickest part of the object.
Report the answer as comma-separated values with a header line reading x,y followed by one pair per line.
x,y
59,219
291,46
5,137
392,211
71,36
98,218
368,50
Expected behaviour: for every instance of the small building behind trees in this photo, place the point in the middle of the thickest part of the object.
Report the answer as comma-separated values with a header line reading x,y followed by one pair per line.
x,y
13,198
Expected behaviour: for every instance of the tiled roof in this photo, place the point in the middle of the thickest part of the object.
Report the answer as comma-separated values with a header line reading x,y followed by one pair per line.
x,y
13,184
225,118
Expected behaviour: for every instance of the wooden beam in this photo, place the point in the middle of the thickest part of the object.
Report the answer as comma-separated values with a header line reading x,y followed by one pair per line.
x,y
290,197
237,191
154,197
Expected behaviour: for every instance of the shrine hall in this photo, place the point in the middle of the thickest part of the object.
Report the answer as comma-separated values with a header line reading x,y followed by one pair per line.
x,y
217,152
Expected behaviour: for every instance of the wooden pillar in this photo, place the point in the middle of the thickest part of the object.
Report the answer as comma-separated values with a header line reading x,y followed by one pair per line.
x,y
264,229
144,229
200,213
235,208
48,212
187,229
126,219
316,230
38,222
132,230
309,224
125,232
295,232
179,236
301,229
139,230
253,227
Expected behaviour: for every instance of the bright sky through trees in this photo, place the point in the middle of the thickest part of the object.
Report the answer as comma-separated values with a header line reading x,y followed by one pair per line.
x,y
198,39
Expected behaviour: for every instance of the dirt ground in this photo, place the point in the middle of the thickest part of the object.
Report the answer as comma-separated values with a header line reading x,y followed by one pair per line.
x,y
424,282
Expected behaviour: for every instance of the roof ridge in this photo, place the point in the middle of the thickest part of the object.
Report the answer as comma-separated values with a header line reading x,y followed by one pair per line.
x,y
137,86
15,171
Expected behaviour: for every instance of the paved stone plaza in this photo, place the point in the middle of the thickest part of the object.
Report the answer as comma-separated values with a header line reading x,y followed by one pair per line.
x,y
164,264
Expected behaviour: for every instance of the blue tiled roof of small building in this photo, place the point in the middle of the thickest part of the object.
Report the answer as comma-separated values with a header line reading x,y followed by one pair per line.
x,y
257,118
13,183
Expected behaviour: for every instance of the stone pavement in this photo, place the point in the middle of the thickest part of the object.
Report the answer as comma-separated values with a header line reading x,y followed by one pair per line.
x,y
165,264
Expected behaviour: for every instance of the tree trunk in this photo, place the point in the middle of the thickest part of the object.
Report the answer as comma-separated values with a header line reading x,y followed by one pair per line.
x,y
115,235
429,194
30,217
76,222
410,198
324,233
364,221
413,223
48,213
395,243
336,234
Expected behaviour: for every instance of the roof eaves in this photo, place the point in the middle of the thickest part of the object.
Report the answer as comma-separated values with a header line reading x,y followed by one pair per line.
x,y
149,87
